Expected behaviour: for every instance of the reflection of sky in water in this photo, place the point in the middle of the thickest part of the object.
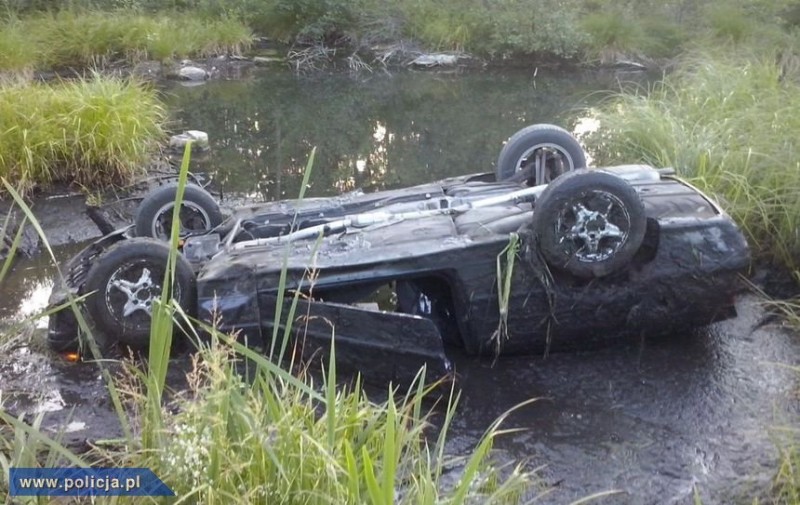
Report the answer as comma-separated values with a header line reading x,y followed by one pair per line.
x,y
25,294
25,291
378,132
35,301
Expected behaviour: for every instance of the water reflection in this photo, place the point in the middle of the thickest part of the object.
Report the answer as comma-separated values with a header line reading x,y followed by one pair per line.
x,y
26,288
26,291
377,132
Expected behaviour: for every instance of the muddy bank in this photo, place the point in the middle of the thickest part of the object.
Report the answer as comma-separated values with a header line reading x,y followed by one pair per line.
x,y
397,56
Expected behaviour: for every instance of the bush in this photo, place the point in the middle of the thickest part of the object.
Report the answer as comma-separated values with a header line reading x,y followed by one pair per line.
x,y
314,21
610,34
729,23
500,27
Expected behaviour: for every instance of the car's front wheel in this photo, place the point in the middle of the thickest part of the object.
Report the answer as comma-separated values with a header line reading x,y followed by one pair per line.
x,y
589,223
126,281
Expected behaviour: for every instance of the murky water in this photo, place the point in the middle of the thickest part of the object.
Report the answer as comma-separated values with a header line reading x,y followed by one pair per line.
x,y
654,420
372,131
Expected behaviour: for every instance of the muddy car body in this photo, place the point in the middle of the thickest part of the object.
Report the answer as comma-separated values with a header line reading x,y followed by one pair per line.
x,y
493,266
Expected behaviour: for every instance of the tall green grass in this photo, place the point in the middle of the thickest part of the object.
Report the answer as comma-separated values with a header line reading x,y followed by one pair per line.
x,y
729,123
277,435
17,53
91,132
94,31
82,38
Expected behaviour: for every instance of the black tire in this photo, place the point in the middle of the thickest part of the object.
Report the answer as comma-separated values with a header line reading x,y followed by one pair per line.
x,y
561,151
199,212
589,223
140,263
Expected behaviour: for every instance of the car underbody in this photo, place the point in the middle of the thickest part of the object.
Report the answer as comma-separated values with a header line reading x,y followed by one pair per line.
x,y
397,277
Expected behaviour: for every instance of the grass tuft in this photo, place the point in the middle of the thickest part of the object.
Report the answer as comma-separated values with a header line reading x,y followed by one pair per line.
x,y
91,132
17,54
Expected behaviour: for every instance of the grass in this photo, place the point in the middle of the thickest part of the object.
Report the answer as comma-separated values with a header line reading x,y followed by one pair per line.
x,y
787,481
17,54
92,132
83,38
273,434
729,123
276,435
505,272
86,33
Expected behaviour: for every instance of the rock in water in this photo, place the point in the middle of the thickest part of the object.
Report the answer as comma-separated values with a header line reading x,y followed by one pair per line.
x,y
435,60
190,73
199,139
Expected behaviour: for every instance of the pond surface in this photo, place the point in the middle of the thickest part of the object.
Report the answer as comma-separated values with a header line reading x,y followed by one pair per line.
x,y
655,420
373,131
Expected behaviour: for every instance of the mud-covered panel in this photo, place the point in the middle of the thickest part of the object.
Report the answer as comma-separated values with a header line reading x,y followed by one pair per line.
x,y
493,220
356,258
230,301
670,198
380,345
691,281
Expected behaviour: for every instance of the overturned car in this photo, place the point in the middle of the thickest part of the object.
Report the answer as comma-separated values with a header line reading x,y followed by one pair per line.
x,y
541,254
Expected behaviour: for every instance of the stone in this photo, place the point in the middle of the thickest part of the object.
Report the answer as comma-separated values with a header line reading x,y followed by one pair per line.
x,y
435,60
192,73
28,245
198,138
267,60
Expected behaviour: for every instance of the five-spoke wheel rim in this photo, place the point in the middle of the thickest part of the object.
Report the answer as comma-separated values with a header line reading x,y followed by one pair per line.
x,y
132,290
593,226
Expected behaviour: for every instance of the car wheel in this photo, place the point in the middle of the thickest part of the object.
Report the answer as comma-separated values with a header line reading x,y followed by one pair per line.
x,y
125,282
199,212
589,223
546,150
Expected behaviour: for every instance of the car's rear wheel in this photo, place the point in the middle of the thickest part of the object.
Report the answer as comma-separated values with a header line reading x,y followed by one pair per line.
x,y
589,223
545,151
126,281
199,212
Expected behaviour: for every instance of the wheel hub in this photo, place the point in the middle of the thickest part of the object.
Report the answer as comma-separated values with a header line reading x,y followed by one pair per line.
x,y
549,161
140,293
192,218
594,227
